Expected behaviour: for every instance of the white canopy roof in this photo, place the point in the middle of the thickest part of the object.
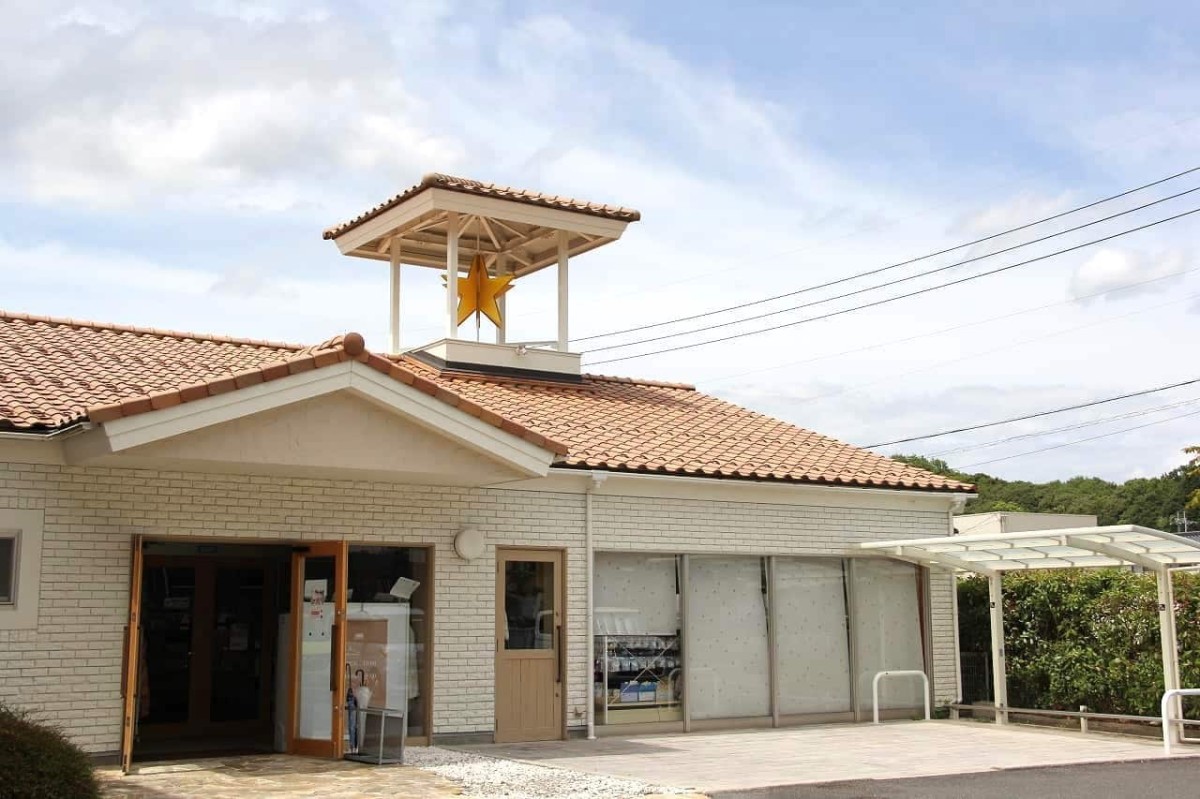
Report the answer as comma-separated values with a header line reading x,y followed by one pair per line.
x,y
1079,547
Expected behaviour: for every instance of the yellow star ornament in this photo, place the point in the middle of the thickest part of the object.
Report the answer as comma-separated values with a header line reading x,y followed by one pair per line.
x,y
478,292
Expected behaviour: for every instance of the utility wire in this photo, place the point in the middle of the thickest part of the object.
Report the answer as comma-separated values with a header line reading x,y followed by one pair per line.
x,y
1066,428
1080,441
891,342
904,263
897,281
1038,414
975,355
915,293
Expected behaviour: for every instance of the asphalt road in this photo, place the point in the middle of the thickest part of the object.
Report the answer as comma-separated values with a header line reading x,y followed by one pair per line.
x,y
1144,778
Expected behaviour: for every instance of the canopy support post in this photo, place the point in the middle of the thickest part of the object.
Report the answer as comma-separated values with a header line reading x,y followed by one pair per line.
x,y
1170,649
999,663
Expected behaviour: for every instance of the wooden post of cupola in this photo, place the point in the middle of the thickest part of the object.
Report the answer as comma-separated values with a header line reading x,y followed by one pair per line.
x,y
563,242
501,301
394,337
452,230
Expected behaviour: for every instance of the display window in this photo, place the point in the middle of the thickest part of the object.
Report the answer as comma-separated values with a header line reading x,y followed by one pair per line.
x,y
812,635
887,630
388,631
763,638
638,660
729,658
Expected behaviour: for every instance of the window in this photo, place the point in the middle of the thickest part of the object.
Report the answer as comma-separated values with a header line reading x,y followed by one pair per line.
x,y
8,568
20,568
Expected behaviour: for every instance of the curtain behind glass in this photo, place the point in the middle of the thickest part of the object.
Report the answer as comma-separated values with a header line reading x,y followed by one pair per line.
x,y
813,647
728,664
888,634
635,593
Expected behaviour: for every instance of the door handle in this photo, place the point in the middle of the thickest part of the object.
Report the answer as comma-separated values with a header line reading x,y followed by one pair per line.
x,y
333,658
558,644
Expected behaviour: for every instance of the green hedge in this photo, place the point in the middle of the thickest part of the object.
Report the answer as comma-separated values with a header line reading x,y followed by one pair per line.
x,y
1084,637
38,762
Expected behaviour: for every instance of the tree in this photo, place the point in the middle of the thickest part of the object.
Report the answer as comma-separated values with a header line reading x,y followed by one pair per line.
x,y
1148,501
1194,471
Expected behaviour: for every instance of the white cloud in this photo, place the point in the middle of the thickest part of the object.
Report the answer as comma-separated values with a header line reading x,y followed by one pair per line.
x,y
1010,213
179,119
1112,268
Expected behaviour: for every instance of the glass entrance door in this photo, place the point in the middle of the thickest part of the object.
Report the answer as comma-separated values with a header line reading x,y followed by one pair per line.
x,y
529,645
318,649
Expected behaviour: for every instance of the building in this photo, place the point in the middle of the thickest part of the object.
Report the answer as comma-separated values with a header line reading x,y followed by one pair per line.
x,y
210,542
995,522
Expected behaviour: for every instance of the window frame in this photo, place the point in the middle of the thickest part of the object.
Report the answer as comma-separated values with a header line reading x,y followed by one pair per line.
x,y
26,527
13,567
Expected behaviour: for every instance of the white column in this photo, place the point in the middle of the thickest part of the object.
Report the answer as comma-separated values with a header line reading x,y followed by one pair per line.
x,y
394,338
1170,650
562,290
452,274
500,301
999,662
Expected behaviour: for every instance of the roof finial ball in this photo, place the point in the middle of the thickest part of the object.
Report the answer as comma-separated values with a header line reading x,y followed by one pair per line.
x,y
354,344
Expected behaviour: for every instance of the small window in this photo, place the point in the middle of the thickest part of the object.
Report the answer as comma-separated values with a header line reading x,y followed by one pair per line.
x,y
8,569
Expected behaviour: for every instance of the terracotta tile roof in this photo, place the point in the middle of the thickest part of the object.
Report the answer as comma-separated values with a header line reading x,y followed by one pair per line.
x,y
475,187
55,372
620,424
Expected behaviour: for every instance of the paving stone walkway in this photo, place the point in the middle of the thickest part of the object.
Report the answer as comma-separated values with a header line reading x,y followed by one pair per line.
x,y
730,761
273,776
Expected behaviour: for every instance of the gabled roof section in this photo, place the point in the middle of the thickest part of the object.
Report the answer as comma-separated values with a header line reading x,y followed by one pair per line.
x,y
56,372
625,425
436,180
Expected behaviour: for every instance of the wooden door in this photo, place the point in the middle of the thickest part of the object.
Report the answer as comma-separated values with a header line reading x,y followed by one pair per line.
x,y
318,650
132,677
529,645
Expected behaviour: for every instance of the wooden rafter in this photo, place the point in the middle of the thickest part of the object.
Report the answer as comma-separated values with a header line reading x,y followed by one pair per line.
x,y
491,233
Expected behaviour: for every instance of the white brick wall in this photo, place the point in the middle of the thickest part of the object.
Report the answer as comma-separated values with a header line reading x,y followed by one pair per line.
x,y
69,667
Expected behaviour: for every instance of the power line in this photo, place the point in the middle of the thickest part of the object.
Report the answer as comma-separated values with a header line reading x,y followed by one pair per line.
x,y
1037,414
1080,441
1066,428
897,281
887,300
1006,346
909,261
891,342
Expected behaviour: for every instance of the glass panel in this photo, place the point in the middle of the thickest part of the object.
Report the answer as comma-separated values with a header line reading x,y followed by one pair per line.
x,y
168,605
314,708
638,665
811,639
728,665
529,604
237,651
888,635
388,628
8,569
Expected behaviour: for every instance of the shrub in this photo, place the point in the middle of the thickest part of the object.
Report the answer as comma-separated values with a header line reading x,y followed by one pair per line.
x,y
38,762
1084,637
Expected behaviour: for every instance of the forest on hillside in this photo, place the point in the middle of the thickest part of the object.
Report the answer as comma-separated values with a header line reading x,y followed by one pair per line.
x,y
1149,501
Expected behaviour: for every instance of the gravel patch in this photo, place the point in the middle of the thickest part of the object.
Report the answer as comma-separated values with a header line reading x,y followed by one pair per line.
x,y
488,777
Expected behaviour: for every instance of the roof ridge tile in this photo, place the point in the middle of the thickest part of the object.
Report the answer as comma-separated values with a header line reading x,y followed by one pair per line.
x,y
17,316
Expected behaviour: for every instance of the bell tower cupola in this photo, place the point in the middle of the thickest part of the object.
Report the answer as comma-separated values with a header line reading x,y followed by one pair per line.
x,y
508,234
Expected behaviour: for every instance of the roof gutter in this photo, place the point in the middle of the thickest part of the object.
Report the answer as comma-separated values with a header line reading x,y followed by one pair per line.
x,y
959,498
47,435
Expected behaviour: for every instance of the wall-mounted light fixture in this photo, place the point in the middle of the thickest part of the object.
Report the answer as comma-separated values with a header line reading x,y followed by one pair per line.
x,y
468,544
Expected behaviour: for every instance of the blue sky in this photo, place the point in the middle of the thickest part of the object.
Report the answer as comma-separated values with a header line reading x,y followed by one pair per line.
x,y
173,165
